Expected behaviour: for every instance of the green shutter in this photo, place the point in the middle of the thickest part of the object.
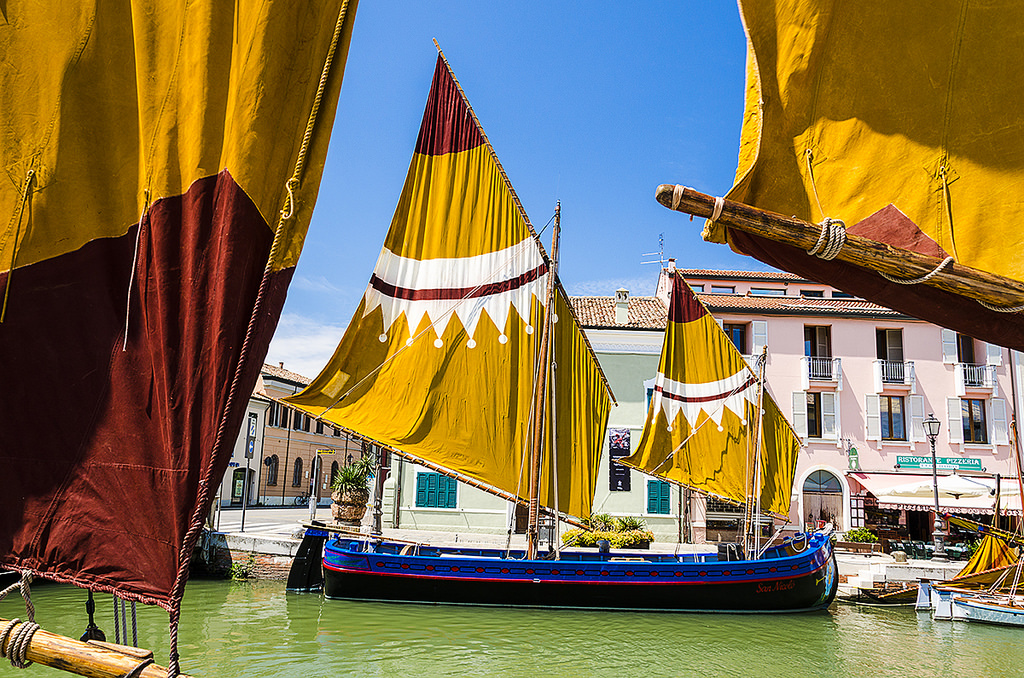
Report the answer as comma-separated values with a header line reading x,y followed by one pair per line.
x,y
432,489
451,497
658,495
666,494
652,496
421,489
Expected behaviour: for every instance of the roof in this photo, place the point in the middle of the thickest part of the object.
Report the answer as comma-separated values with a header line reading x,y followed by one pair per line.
x,y
708,274
645,313
284,375
811,306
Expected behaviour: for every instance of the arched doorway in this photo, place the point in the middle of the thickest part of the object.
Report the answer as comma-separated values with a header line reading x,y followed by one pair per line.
x,y
823,498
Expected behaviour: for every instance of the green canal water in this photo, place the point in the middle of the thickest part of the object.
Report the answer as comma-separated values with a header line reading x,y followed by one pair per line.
x,y
256,629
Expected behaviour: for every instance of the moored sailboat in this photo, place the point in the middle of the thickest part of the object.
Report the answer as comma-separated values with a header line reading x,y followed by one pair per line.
x,y
444,363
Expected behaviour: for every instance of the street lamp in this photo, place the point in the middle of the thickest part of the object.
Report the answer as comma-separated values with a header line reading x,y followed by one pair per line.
x,y
931,429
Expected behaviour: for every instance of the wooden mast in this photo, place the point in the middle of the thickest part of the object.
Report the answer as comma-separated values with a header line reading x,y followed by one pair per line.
x,y
539,396
955,278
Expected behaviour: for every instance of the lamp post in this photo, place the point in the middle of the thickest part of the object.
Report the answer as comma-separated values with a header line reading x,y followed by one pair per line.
x,y
931,429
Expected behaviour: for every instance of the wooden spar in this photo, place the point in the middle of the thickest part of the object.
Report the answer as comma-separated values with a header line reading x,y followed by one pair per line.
x,y
540,395
955,278
86,659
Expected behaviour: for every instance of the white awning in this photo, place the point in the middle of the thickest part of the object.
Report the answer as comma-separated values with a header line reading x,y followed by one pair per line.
x,y
957,494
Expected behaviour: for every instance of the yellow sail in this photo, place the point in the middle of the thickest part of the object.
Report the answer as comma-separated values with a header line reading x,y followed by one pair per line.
x,y
439,360
702,422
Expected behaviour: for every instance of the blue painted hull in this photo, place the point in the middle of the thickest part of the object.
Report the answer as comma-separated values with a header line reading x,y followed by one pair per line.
x,y
783,580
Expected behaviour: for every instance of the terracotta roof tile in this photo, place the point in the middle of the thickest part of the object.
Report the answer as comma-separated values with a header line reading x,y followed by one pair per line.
x,y
281,373
794,305
644,312
740,275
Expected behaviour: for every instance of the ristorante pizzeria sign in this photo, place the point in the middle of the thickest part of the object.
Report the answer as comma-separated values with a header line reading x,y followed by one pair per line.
x,y
945,463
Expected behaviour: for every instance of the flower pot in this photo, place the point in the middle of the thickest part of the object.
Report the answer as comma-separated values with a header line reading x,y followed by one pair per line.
x,y
349,506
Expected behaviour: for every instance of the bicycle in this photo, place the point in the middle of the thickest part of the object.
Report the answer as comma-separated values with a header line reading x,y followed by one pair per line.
x,y
302,499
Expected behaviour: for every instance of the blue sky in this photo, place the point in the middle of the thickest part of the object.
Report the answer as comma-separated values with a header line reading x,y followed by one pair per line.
x,y
593,104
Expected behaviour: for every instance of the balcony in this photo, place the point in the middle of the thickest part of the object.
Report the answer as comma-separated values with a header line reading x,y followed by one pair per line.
x,y
894,374
822,369
971,377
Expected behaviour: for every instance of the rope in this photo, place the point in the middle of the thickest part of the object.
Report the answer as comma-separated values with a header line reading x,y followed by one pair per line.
x,y
135,628
135,259
19,636
1001,309
927,276
117,624
16,220
830,240
300,163
809,157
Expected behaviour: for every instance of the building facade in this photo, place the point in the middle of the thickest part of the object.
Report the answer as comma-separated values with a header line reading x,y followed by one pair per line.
x,y
291,455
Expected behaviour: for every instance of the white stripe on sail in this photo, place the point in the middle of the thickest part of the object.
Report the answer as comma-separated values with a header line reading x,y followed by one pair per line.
x,y
461,273
713,397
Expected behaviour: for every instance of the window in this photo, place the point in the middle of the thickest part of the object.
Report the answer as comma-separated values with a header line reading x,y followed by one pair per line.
x,y
434,490
297,418
972,412
818,341
836,294
277,415
964,349
337,433
889,344
767,292
813,294
698,287
319,427
334,471
297,472
822,481
659,494
893,418
814,414
271,463
723,289
738,336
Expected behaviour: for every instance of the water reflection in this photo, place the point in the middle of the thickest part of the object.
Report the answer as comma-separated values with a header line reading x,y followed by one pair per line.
x,y
242,629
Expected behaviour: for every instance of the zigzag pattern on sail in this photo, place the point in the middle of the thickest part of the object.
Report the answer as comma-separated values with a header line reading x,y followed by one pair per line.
x,y
712,398
463,287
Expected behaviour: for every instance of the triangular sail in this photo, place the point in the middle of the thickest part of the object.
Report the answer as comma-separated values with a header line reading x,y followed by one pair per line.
x,y
702,420
913,105
439,360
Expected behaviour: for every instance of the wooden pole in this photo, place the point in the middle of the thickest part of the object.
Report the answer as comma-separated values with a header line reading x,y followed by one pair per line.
x,y
86,659
993,289
540,400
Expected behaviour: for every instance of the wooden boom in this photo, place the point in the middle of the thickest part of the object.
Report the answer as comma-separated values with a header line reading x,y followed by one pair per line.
x,y
990,288
96,660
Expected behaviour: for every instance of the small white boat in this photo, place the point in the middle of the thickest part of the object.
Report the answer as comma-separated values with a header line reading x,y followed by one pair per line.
x,y
987,608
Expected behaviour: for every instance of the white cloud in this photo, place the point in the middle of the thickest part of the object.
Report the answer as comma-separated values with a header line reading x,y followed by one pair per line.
x,y
316,284
303,344
644,286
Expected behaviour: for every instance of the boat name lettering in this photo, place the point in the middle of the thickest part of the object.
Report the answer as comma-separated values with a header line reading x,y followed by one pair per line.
x,y
776,586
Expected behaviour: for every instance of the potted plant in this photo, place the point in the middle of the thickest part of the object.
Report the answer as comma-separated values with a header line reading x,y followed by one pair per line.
x,y
350,491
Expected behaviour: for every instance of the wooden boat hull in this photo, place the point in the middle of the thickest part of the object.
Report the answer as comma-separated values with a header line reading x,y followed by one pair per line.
x,y
988,609
781,581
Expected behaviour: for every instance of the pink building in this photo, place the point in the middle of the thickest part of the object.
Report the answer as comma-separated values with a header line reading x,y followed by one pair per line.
x,y
858,381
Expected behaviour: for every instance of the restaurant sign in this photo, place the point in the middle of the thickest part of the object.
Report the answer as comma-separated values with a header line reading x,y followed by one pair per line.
x,y
943,463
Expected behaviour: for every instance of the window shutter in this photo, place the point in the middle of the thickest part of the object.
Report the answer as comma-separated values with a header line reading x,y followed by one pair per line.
x,y
720,323
955,420
958,379
949,346
666,498
800,413
828,415
993,354
452,495
421,489
1000,435
916,418
872,418
805,372
876,373
759,329
652,496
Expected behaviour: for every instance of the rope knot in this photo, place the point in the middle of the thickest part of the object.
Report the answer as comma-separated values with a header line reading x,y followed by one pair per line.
x,y
830,240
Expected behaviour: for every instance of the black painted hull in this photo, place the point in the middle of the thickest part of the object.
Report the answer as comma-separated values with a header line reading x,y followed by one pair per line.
x,y
789,582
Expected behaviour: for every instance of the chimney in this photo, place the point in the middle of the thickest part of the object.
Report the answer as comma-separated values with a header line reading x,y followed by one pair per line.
x,y
621,306
671,264
281,364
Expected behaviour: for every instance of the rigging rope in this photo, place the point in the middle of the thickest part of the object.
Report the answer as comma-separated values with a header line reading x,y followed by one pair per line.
x,y
924,278
135,259
16,221
17,635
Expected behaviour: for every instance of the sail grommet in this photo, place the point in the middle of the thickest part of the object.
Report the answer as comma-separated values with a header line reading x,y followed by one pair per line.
x,y
502,339
554,317
669,429
720,428
529,329
408,342
471,343
382,338
438,343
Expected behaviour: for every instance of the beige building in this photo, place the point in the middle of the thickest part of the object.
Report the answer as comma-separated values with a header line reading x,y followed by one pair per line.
x,y
284,443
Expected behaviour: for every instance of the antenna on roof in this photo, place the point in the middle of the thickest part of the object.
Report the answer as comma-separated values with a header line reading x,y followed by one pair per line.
x,y
660,253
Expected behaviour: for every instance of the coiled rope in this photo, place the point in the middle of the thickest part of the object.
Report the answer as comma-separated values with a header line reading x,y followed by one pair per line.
x,y
16,636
